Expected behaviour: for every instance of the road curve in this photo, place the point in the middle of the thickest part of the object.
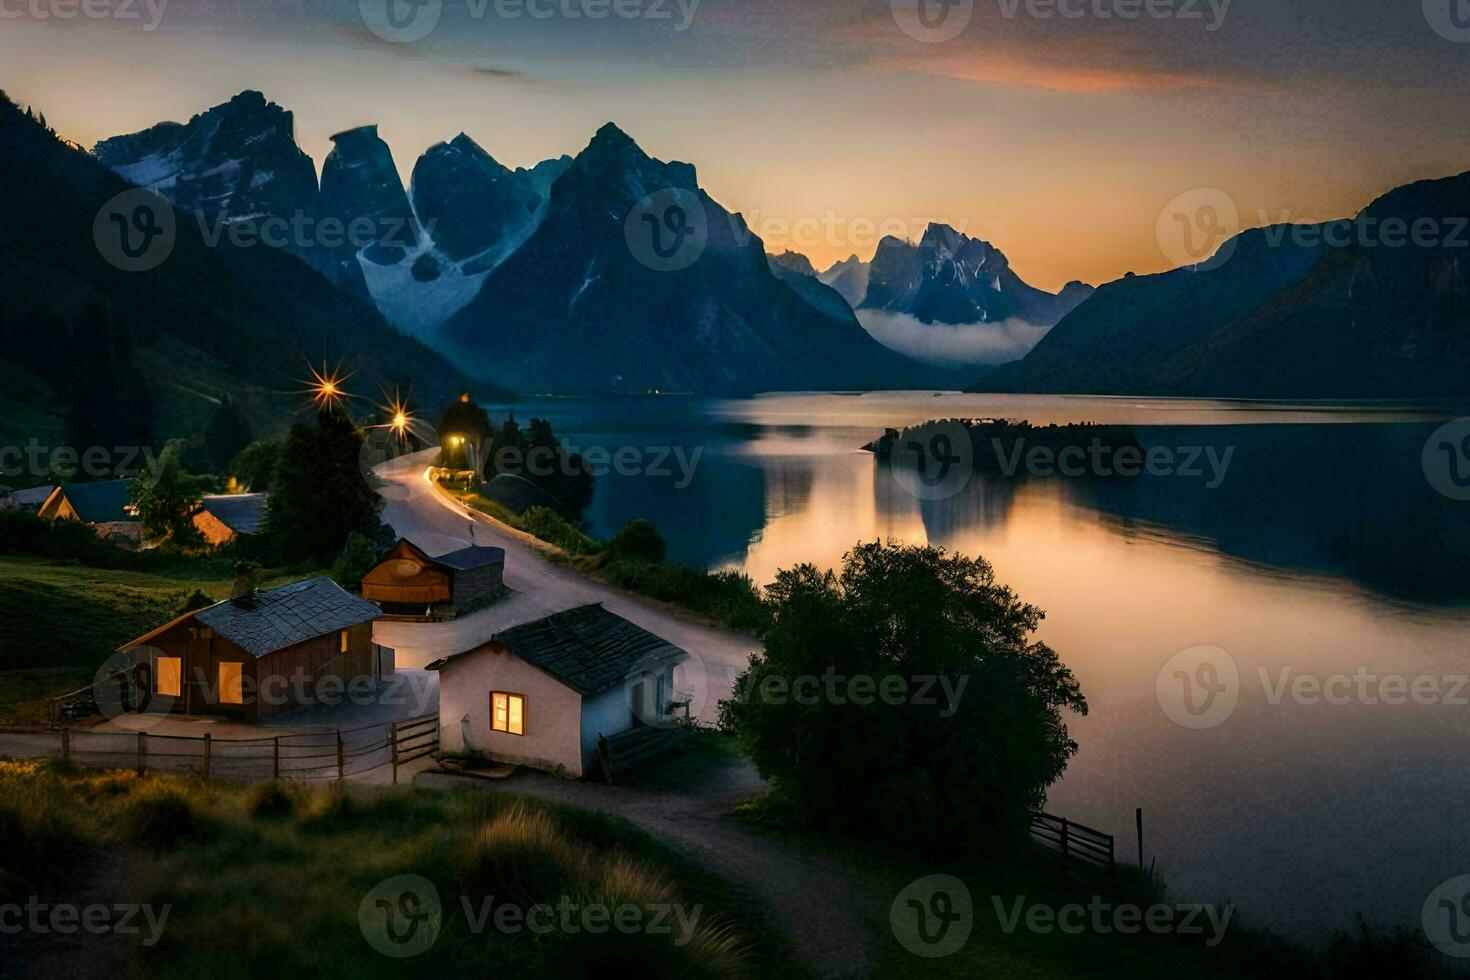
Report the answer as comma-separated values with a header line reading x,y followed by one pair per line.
x,y
417,510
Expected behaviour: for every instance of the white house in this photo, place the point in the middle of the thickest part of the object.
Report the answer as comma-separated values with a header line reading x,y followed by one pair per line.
x,y
542,694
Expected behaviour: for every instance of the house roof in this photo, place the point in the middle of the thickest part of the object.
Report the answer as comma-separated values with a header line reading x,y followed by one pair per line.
x,y
469,559
99,503
240,512
32,496
280,617
588,648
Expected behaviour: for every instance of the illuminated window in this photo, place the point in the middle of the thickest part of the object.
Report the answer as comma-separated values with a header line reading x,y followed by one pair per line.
x,y
343,648
168,676
508,713
231,690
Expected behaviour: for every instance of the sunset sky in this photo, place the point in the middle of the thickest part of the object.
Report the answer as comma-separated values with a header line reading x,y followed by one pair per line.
x,y
1058,138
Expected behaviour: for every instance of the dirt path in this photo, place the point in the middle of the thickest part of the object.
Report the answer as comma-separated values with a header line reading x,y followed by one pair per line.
x,y
815,900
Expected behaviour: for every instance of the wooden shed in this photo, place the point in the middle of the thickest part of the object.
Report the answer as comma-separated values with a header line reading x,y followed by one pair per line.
x,y
225,518
263,654
409,580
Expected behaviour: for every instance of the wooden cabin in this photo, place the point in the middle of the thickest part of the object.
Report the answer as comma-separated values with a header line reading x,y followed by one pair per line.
x,y
263,654
105,505
551,693
409,580
226,518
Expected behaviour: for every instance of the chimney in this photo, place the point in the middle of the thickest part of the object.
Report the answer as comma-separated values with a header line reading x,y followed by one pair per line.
x,y
243,592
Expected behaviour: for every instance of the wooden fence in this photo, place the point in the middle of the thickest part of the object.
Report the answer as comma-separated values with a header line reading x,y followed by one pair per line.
x,y
323,755
1073,841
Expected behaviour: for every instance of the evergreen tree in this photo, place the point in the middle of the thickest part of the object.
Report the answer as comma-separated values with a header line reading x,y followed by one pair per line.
x,y
318,493
467,420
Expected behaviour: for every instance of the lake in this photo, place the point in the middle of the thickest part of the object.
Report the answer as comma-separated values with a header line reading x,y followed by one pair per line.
x,y
1292,558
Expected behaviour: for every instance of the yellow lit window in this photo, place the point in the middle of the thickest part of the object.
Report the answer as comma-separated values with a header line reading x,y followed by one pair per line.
x,y
343,648
168,676
508,713
231,690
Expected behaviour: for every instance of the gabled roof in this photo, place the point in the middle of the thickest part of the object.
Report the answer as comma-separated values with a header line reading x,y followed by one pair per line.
x,y
469,559
32,496
588,648
240,512
105,502
280,617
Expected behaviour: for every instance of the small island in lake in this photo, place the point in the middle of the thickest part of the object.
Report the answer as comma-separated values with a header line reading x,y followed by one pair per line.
x,y
1012,446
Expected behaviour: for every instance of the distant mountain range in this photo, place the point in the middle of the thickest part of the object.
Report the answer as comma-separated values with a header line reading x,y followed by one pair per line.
x,y
1348,309
525,277
93,354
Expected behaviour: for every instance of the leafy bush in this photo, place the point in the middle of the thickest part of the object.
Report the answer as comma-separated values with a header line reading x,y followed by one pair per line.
x,y
163,819
550,526
638,541
731,598
357,559
272,801
960,766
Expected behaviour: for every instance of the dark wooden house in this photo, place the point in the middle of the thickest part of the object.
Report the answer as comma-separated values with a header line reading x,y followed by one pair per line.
x,y
262,654
409,580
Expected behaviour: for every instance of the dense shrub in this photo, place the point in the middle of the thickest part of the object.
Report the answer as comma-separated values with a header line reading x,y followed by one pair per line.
x,y
730,598
937,766
550,526
638,541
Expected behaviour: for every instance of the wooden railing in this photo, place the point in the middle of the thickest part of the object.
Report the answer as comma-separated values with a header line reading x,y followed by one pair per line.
x,y
1073,841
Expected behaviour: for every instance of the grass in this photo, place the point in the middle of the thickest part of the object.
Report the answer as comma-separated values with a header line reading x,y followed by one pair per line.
x,y
999,950
276,879
64,619
729,598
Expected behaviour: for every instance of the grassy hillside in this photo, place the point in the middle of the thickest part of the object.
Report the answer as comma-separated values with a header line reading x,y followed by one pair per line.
x,y
275,880
62,620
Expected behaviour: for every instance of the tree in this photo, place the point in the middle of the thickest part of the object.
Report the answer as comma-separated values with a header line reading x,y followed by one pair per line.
x,y
638,541
167,496
254,465
318,493
468,421
836,713
358,557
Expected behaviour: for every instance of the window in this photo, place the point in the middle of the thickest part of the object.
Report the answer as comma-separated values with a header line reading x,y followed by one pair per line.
x,y
231,690
343,647
168,676
508,713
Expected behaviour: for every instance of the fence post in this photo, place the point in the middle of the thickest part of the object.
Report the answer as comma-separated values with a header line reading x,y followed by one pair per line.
x,y
142,753
208,751
341,768
1065,836
276,757
393,735
66,744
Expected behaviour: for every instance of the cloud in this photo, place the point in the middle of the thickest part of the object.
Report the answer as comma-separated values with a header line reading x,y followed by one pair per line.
x,y
952,345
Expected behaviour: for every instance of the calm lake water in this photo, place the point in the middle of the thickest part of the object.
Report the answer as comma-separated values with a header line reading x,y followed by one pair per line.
x,y
1322,552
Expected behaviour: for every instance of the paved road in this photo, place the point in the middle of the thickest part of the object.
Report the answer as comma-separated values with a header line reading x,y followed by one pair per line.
x,y
438,524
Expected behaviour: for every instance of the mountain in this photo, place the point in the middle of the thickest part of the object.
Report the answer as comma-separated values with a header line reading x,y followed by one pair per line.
x,y
474,212
949,277
850,278
116,358
361,190
796,271
236,161
1348,309
637,280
